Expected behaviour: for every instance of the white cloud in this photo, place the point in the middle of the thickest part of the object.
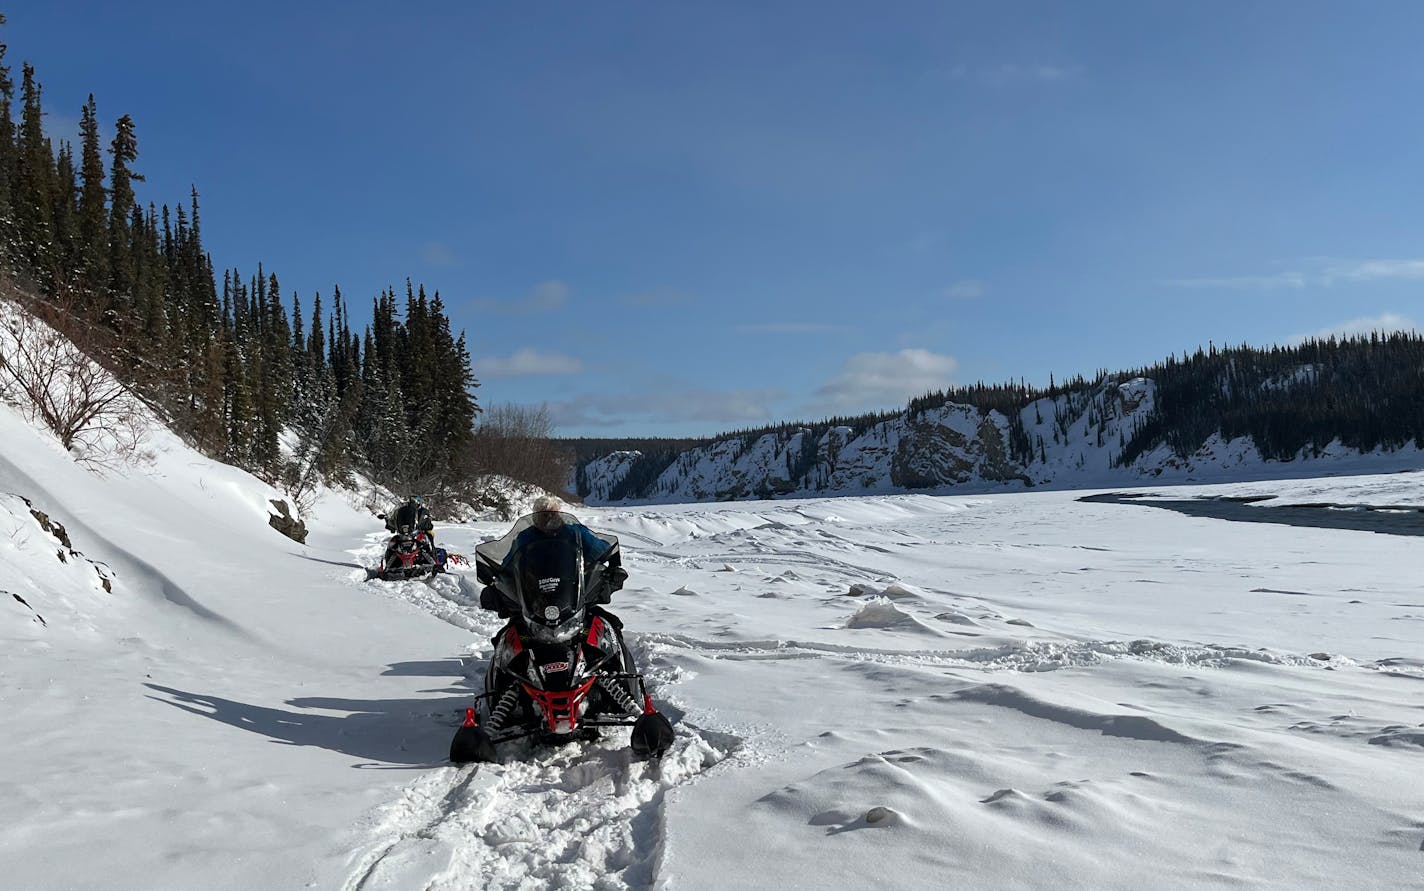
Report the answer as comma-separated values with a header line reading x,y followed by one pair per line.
x,y
62,127
928,240
1006,74
543,297
656,297
1248,282
1385,323
525,362
965,289
718,408
438,253
880,381
791,328
1317,272
1373,270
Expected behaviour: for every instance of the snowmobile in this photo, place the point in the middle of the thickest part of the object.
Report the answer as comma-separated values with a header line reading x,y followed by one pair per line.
x,y
560,669
411,551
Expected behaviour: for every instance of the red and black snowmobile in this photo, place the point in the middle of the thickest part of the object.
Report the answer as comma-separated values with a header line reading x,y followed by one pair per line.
x,y
560,669
411,551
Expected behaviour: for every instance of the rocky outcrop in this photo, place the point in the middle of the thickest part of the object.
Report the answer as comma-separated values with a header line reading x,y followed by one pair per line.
x,y
66,550
930,454
996,464
285,523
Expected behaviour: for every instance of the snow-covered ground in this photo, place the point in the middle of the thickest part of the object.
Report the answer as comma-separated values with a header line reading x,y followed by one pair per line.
x,y
1009,690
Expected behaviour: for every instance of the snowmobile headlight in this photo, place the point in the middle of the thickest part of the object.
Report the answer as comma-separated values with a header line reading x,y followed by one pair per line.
x,y
556,633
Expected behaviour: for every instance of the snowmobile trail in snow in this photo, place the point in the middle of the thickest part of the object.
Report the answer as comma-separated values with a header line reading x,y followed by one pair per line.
x,y
580,816
449,596
1027,656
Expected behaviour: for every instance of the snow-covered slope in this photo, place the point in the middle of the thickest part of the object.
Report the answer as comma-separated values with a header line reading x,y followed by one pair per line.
x,y
1015,690
152,737
1076,439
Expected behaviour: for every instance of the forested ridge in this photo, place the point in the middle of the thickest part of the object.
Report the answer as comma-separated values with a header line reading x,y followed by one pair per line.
x,y
1365,391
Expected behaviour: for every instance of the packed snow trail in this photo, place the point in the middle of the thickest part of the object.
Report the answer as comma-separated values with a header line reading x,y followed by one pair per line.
x,y
580,816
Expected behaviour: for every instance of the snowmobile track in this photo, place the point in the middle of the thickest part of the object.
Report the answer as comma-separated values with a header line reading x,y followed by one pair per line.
x,y
575,817
1027,656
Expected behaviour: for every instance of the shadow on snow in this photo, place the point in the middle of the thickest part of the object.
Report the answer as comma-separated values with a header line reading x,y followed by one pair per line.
x,y
407,733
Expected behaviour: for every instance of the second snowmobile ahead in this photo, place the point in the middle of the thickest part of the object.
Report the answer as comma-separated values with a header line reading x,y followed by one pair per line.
x,y
411,551
560,668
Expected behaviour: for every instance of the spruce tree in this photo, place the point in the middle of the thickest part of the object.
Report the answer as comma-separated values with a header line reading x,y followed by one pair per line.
x,y
34,192
65,215
7,158
93,232
296,349
278,349
241,407
274,374
453,385
210,398
124,149
318,396
152,283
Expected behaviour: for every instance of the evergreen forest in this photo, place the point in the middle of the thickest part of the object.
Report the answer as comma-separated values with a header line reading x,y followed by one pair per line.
x,y
226,358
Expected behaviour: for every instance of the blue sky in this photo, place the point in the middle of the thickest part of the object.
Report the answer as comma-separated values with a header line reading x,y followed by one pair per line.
x,y
676,219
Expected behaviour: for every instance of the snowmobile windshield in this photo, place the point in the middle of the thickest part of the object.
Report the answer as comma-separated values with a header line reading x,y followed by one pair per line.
x,y
546,567
495,555
407,518
549,576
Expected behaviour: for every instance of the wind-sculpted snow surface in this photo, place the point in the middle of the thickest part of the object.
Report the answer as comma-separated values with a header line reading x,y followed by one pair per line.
x,y
1007,691
1025,691
962,691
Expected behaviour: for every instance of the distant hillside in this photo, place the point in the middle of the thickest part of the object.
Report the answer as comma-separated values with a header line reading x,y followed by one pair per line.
x,y
1232,412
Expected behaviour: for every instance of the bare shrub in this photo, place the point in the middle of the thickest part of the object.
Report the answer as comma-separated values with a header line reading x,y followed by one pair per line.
x,y
51,381
517,441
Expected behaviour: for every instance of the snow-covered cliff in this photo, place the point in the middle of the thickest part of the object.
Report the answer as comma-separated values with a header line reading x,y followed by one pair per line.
x,y
1075,440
